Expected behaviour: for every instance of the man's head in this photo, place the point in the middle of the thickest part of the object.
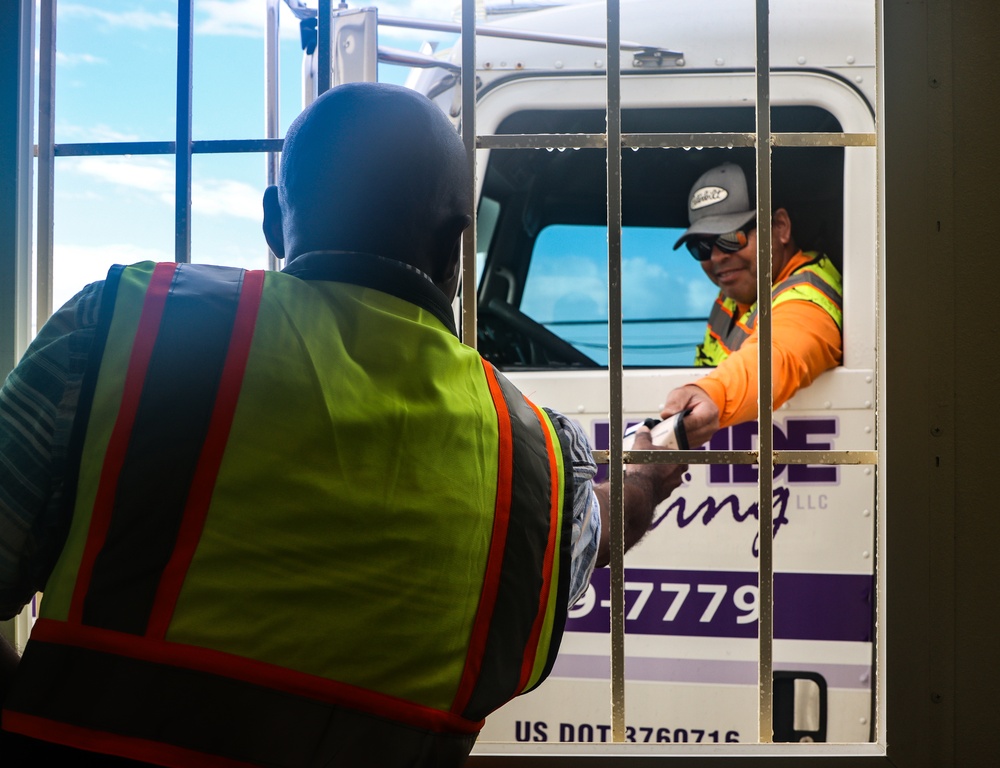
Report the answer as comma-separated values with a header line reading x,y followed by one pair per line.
x,y
722,234
372,168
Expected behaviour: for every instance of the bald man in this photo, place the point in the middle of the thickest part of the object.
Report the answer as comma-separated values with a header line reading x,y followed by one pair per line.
x,y
288,518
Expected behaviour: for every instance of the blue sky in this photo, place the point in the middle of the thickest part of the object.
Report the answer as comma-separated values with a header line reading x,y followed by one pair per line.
x,y
115,81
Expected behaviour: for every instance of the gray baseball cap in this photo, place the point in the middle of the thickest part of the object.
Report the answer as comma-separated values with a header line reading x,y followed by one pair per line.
x,y
719,203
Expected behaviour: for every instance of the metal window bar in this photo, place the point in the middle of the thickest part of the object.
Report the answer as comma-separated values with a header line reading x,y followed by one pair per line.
x,y
616,474
879,650
198,147
521,34
842,458
182,153
324,54
468,103
16,48
671,140
271,101
765,416
46,157
272,145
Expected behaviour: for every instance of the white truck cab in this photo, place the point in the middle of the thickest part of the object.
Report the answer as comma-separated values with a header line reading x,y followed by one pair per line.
x,y
691,585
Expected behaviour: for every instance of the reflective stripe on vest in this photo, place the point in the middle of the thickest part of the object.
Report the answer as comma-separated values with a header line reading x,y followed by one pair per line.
x,y
115,615
725,329
494,676
817,281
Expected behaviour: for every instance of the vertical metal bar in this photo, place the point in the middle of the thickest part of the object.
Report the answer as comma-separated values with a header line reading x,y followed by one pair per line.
x,y
765,416
46,160
324,47
615,473
182,153
469,137
271,99
17,61
878,678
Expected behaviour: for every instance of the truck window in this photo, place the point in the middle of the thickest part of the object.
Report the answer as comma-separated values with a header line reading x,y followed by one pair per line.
x,y
664,299
546,254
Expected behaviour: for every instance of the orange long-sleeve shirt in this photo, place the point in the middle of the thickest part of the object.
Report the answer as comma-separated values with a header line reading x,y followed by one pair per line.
x,y
805,341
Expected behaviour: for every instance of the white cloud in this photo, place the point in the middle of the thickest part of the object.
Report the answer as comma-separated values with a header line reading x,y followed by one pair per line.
x,y
79,265
225,197
432,10
137,19
153,175
209,197
643,287
234,17
441,10
701,296
552,296
68,132
73,59
246,18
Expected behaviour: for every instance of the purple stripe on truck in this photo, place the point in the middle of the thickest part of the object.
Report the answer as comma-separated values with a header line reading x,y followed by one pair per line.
x,y
807,606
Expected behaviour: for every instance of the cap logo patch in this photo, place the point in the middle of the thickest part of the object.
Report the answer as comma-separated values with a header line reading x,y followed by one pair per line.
x,y
707,196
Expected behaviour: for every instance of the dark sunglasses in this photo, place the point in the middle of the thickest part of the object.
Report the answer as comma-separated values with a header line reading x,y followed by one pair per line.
x,y
701,247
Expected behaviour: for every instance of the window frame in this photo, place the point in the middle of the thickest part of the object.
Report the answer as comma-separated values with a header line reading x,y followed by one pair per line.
x,y
916,699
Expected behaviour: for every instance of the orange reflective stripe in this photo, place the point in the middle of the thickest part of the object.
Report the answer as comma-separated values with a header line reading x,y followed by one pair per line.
x,y
720,304
142,351
811,280
515,611
203,483
185,659
551,551
498,541
728,330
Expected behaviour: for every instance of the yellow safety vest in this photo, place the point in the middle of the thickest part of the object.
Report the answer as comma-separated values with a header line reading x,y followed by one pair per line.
x,y
818,281
309,524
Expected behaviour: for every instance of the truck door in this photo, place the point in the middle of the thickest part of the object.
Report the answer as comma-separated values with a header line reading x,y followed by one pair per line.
x,y
691,590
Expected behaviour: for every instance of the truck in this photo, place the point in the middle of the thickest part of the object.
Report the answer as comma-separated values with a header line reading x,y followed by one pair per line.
x,y
691,586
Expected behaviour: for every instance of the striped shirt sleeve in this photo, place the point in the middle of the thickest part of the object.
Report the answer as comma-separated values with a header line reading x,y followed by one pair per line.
x,y
37,404
586,535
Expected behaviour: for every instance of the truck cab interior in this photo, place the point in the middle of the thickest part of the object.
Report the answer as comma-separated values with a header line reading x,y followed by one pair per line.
x,y
542,234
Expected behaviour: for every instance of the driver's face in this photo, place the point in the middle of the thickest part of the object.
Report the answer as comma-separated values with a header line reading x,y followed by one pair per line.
x,y
735,273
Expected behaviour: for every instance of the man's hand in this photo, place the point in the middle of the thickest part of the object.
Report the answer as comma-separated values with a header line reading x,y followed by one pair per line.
x,y
703,421
646,485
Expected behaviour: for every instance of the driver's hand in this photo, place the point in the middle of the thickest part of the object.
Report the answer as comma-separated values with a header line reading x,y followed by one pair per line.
x,y
703,421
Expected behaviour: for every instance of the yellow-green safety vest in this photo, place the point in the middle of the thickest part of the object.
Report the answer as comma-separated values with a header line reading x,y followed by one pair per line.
x,y
818,280
308,523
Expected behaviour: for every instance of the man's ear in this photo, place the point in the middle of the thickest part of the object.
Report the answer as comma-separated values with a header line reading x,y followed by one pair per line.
x,y
454,263
781,227
450,273
274,233
450,241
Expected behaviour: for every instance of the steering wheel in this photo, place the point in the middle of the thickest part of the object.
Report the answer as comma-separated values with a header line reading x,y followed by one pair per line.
x,y
507,338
